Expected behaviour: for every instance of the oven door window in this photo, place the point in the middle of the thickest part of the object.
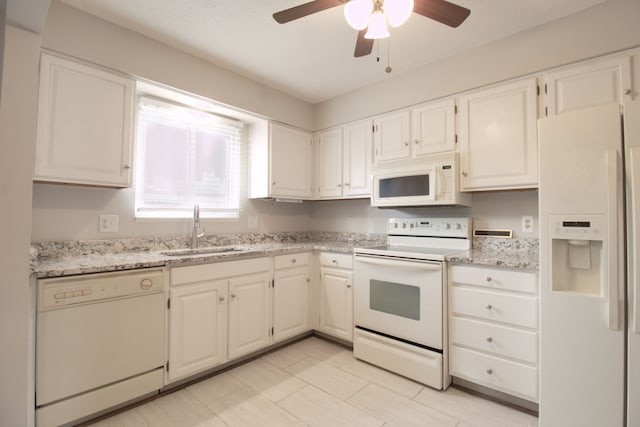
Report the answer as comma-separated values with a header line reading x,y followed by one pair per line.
x,y
395,298
404,186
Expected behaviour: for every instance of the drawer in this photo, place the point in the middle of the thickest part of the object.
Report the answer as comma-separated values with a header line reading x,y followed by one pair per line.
x,y
518,310
493,372
495,278
290,260
331,259
218,270
496,339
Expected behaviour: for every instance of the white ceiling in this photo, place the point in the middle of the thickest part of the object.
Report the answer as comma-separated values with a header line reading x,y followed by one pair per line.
x,y
312,57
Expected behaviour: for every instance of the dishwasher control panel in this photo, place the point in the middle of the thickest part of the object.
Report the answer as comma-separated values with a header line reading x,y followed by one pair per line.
x,y
87,288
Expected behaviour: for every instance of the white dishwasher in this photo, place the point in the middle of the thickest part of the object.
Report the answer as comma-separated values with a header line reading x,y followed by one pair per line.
x,y
99,342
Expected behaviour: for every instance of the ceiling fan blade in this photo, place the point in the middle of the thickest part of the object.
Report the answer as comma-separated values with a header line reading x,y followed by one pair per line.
x,y
442,11
363,46
305,9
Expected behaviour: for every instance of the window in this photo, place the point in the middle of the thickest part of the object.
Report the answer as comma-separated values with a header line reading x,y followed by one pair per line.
x,y
185,157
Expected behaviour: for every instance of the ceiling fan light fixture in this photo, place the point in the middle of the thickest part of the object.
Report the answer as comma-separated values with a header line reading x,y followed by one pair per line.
x,y
357,13
398,11
377,26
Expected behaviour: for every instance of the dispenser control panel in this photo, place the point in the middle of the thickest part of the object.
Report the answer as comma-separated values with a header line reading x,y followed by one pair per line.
x,y
587,227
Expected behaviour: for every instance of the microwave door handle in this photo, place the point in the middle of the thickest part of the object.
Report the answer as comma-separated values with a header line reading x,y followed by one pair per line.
x,y
406,265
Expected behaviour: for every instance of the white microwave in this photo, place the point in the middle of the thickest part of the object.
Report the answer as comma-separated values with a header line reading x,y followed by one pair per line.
x,y
428,181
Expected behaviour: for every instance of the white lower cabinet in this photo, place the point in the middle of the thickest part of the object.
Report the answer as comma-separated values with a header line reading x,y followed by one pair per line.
x,y
197,328
291,282
493,328
217,312
249,313
335,296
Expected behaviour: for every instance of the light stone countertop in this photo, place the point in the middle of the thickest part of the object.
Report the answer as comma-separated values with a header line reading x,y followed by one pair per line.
x,y
58,259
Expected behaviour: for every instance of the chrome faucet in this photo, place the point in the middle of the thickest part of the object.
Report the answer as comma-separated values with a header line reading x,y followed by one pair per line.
x,y
195,230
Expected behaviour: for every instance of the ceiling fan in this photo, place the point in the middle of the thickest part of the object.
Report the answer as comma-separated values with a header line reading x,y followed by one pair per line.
x,y
439,10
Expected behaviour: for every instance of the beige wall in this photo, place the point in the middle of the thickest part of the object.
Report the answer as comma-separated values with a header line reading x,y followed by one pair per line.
x,y
602,29
17,137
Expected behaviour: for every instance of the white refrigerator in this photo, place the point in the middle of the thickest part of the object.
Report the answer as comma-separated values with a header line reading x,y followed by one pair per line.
x,y
589,202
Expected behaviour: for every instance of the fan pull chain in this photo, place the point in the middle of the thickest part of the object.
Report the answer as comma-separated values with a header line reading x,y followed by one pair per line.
x,y
388,69
378,52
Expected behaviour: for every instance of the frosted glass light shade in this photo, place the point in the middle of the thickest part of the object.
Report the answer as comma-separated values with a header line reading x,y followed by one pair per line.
x,y
398,11
377,26
357,13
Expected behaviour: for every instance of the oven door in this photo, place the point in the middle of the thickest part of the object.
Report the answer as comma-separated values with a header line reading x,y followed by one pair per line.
x,y
401,298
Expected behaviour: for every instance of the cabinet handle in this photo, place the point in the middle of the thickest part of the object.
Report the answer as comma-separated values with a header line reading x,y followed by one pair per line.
x,y
233,296
334,261
465,174
308,279
489,339
627,91
221,299
488,306
490,371
339,185
127,166
406,144
417,141
488,279
346,184
273,183
348,285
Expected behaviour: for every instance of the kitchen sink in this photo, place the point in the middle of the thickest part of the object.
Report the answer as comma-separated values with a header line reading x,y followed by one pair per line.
x,y
204,251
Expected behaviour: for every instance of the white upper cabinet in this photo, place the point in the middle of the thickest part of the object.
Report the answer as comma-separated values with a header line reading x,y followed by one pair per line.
x,y
357,156
329,164
392,136
588,85
343,161
84,125
281,163
498,137
433,128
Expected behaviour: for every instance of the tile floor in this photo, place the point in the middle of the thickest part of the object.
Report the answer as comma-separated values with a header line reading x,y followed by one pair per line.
x,y
315,382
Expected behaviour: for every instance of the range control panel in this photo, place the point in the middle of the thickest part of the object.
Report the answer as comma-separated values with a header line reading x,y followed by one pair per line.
x,y
430,227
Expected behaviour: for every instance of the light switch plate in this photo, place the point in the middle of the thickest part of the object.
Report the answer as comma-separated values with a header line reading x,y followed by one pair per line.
x,y
252,222
108,223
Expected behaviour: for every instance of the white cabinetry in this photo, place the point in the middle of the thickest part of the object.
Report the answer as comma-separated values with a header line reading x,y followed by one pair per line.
x,y
498,137
249,313
84,125
493,328
588,85
291,284
392,136
281,163
335,299
433,128
205,327
343,161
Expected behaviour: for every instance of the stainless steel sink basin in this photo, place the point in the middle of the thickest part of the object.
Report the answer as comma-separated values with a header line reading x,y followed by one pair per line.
x,y
204,251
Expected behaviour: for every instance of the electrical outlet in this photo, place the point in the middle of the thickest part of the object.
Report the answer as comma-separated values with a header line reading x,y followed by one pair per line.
x,y
252,222
108,223
527,224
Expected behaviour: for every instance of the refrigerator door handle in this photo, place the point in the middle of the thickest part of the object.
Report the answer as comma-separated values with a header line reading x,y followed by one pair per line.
x,y
613,275
634,178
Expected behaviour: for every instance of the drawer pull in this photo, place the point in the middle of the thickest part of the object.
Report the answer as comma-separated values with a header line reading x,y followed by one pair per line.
x,y
488,306
488,279
490,371
489,339
293,260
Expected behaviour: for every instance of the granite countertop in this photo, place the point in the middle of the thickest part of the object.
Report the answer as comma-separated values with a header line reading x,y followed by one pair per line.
x,y
57,259
516,253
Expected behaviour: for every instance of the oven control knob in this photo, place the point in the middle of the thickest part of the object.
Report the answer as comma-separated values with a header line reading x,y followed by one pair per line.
x,y
411,225
447,226
458,226
404,225
395,225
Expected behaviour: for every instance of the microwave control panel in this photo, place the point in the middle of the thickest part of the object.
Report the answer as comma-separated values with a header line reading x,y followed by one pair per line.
x,y
446,181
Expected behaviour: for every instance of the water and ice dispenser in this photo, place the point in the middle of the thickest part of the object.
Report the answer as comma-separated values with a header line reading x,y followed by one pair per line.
x,y
578,254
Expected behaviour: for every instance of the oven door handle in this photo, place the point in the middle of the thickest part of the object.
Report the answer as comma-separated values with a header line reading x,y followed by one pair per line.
x,y
414,264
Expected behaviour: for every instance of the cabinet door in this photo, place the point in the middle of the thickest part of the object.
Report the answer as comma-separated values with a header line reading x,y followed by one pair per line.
x,y
329,163
336,303
433,128
357,155
290,302
197,328
392,137
590,85
498,137
84,125
290,162
249,314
